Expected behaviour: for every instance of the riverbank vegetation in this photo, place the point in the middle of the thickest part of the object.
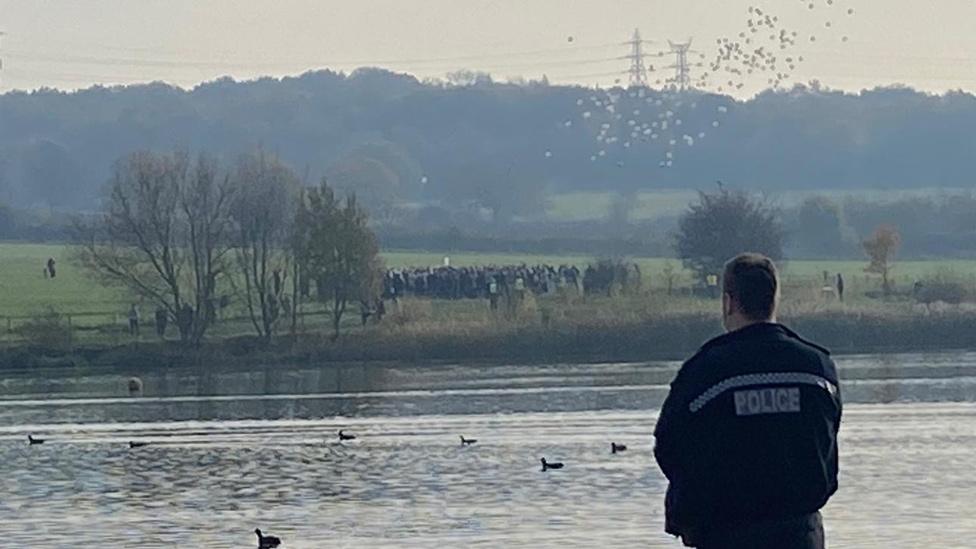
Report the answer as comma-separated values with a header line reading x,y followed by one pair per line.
x,y
621,327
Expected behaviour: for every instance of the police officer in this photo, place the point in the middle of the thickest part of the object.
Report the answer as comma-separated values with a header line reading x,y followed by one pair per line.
x,y
748,434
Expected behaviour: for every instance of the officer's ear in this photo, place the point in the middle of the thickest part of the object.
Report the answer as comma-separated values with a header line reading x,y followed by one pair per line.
x,y
728,304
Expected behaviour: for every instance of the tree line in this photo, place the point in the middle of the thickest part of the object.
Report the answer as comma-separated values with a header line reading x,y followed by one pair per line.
x,y
186,233
726,222
473,142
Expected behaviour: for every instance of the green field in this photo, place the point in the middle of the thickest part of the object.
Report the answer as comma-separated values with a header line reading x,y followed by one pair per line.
x,y
25,292
808,270
594,205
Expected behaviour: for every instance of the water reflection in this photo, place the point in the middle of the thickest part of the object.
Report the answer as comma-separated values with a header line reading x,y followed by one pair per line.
x,y
229,451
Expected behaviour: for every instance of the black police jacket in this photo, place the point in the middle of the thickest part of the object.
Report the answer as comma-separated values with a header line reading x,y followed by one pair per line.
x,y
749,431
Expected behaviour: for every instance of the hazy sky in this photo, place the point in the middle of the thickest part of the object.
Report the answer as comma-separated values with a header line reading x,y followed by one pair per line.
x,y
929,44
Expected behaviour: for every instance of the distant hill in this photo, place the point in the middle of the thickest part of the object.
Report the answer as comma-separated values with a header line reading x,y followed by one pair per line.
x,y
497,146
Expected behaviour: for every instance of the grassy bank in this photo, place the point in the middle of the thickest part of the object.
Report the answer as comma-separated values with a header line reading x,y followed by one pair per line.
x,y
647,324
24,290
584,331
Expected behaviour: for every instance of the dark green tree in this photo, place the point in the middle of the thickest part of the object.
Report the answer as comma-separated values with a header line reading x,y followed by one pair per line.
x,y
722,224
819,229
338,249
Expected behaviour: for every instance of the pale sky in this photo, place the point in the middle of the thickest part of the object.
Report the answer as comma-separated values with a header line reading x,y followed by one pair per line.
x,y
929,44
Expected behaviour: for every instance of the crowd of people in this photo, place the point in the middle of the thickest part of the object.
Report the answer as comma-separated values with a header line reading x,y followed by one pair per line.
x,y
492,282
478,282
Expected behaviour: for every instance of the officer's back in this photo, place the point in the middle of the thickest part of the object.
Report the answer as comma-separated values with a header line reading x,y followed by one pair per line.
x,y
747,436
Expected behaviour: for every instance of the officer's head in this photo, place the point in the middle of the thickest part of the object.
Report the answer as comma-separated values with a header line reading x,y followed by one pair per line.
x,y
750,291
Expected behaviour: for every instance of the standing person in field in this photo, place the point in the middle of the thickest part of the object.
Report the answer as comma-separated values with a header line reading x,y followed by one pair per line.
x,y
134,320
162,319
747,436
493,293
840,286
50,267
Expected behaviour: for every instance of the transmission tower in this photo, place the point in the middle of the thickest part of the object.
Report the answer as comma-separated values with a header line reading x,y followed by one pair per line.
x,y
682,70
637,71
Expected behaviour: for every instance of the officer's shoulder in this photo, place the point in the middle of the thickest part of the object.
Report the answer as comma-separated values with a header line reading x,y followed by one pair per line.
x,y
713,347
803,342
708,352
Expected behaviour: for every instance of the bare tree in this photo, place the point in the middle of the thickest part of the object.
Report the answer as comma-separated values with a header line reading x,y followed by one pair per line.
x,y
263,211
881,249
162,233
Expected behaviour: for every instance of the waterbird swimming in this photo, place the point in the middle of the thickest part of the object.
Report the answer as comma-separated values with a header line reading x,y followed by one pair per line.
x,y
135,385
467,441
134,444
343,436
31,440
267,542
546,465
614,447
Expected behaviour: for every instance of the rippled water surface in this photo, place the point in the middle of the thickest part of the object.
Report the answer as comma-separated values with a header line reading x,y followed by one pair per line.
x,y
229,451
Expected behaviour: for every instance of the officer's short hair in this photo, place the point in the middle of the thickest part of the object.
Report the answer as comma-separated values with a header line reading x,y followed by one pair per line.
x,y
751,280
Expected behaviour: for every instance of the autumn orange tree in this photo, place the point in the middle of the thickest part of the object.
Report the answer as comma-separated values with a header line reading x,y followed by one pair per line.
x,y
881,249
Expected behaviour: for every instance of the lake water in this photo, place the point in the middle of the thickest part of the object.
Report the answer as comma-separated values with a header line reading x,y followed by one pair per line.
x,y
233,450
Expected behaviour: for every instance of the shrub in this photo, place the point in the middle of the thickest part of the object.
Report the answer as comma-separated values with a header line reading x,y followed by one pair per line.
x,y
941,287
410,311
50,330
